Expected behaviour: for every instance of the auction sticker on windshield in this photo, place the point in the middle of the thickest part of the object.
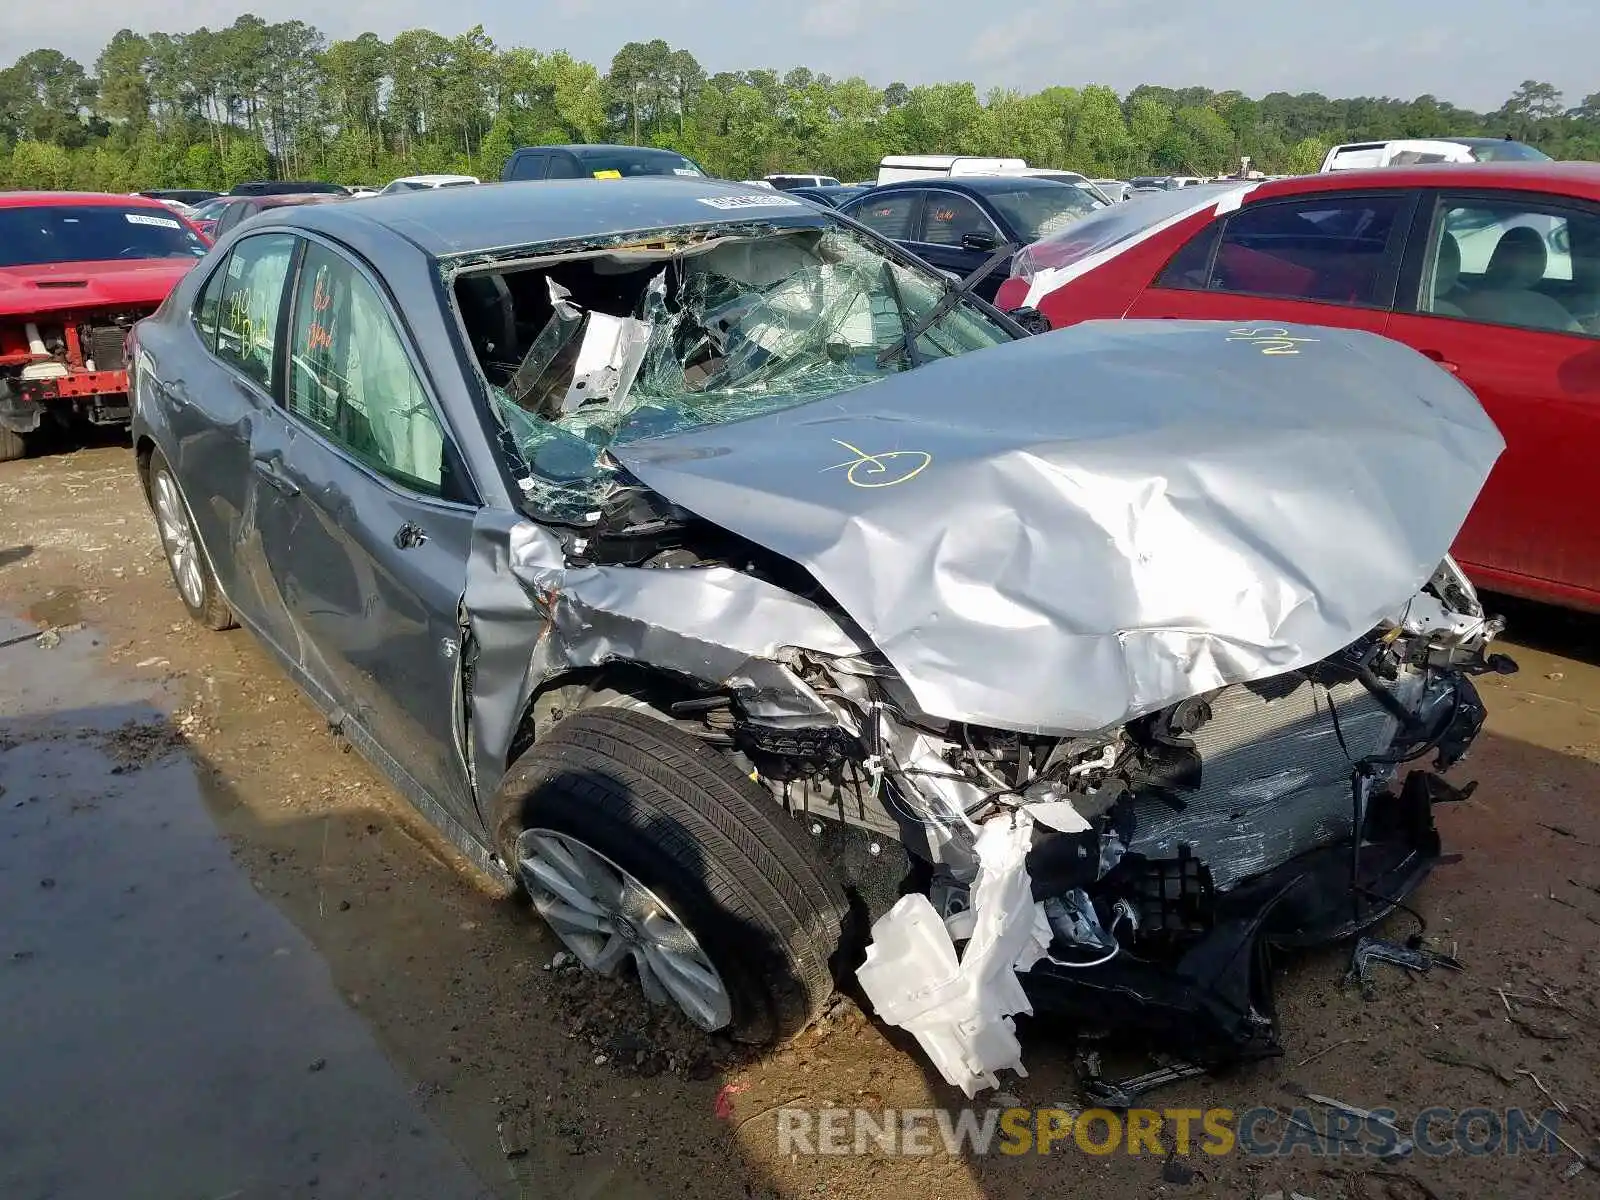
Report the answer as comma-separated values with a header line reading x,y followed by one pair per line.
x,y
162,222
773,201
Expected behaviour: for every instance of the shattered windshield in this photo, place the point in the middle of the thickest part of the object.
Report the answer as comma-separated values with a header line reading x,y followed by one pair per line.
x,y
611,348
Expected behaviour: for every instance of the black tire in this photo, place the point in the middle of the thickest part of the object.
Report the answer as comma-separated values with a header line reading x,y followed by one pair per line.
x,y
12,447
208,607
719,850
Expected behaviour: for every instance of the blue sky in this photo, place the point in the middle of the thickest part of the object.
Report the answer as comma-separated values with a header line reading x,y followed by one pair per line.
x,y
1471,52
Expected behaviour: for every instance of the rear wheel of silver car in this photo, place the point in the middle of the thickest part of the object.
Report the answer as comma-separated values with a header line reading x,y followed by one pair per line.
x,y
197,586
646,850
12,447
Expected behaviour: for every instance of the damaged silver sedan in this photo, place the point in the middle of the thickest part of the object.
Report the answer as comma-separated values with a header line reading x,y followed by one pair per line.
x,y
772,611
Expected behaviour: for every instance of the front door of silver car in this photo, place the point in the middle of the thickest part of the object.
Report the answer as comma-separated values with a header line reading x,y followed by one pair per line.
x,y
367,531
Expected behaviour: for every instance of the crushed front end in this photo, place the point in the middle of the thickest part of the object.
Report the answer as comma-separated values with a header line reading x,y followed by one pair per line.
x,y
66,363
1162,860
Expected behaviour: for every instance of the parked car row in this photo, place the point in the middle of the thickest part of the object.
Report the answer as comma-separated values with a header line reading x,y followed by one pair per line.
x,y
1491,269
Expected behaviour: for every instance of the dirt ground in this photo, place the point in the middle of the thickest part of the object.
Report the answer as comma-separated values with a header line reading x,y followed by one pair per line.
x,y
546,1078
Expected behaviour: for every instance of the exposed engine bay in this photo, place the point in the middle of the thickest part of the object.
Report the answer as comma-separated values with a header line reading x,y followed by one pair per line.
x,y
66,363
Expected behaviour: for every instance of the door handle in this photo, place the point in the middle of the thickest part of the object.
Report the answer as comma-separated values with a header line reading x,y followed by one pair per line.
x,y
269,470
409,536
1438,357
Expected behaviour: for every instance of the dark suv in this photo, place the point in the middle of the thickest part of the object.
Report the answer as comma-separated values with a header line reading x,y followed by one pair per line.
x,y
598,162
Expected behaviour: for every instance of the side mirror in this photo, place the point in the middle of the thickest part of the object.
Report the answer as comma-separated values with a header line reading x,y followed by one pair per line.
x,y
983,243
1031,319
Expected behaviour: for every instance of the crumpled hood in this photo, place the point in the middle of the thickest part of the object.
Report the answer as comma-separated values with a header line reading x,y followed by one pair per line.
x,y
56,287
1060,534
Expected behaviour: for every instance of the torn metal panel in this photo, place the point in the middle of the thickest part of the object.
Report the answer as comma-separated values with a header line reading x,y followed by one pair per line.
x,y
1062,533
1275,780
534,618
961,1012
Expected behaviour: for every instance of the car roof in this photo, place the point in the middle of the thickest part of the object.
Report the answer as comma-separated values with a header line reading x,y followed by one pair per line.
x,y
1580,178
589,149
39,199
979,184
504,216
428,178
290,199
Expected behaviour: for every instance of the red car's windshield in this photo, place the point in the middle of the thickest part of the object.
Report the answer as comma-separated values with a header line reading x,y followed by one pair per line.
x,y
44,234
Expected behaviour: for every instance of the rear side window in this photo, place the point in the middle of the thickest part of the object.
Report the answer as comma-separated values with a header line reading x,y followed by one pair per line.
x,y
251,301
1327,249
528,166
892,216
1190,268
236,212
564,166
207,305
350,376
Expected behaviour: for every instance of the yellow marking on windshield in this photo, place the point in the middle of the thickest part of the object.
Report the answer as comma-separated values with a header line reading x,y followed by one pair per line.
x,y
865,464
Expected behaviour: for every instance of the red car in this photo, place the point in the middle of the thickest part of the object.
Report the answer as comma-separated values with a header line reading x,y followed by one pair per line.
x,y
1490,269
216,217
76,271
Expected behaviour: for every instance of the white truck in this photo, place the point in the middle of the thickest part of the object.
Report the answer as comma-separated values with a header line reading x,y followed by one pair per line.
x,y
1403,152
896,168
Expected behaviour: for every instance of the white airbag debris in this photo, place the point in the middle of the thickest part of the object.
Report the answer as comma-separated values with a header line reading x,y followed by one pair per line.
x,y
961,1013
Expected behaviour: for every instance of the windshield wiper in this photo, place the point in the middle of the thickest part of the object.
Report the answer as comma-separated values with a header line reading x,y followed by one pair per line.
x,y
946,303
907,344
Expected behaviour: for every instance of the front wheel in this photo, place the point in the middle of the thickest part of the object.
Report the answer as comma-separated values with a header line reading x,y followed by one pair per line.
x,y
641,846
12,447
197,586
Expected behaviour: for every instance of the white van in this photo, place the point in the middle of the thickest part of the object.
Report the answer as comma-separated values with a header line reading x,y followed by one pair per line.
x,y
784,183
1399,153
1404,152
896,168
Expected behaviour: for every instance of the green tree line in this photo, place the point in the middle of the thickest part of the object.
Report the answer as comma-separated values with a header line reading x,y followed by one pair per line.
x,y
212,108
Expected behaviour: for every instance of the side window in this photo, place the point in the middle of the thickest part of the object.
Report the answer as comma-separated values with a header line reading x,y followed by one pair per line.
x,y
349,375
564,166
252,298
206,307
948,216
892,216
1190,268
1516,262
529,166
1331,249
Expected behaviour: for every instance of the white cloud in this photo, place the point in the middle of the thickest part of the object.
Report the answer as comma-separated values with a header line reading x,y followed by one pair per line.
x,y
1213,43
832,18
